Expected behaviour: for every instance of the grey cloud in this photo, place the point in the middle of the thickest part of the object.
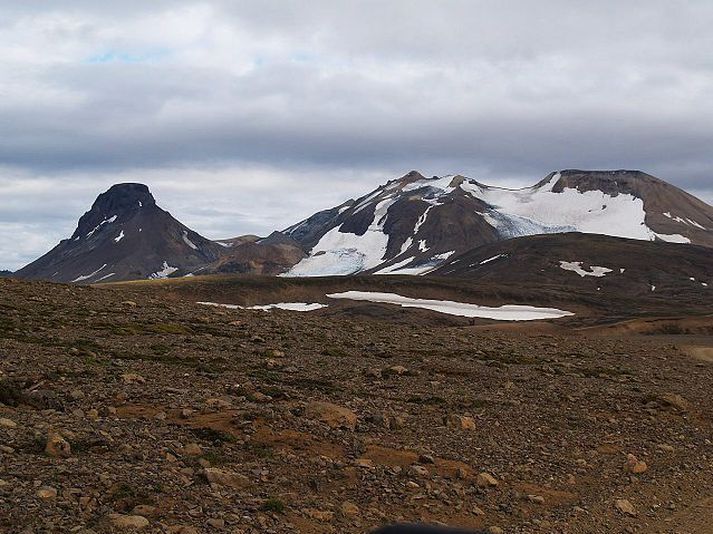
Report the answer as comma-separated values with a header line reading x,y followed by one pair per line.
x,y
328,99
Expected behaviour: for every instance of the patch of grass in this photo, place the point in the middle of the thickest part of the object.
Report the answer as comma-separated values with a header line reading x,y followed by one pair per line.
x,y
313,384
336,352
265,375
168,328
273,504
213,435
215,457
160,349
260,450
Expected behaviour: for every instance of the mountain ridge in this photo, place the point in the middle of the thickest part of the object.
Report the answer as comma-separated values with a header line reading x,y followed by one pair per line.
x,y
411,224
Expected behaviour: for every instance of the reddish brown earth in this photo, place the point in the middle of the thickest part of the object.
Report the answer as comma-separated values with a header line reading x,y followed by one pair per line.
x,y
196,419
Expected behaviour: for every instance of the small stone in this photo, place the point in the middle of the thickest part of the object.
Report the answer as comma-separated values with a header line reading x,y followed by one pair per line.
x,y
46,493
77,394
260,397
129,303
460,422
364,463
218,404
128,522
193,449
477,511
495,530
349,509
538,499
485,480
625,507
216,523
226,478
418,470
394,370
7,423
634,465
335,416
57,446
426,459
145,510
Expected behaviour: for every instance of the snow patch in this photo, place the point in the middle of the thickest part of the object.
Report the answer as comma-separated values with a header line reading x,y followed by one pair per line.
x,y
576,266
493,259
507,312
289,306
83,277
670,238
396,266
165,272
188,241
98,226
340,254
119,237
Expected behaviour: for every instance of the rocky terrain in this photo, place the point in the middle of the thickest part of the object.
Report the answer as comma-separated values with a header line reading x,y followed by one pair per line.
x,y
132,408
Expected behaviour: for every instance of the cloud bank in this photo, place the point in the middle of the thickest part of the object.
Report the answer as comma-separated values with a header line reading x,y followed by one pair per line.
x,y
244,117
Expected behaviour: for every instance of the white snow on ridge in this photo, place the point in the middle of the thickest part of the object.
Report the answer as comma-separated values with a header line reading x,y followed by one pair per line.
x,y
119,237
288,306
576,266
339,253
98,226
188,241
396,266
83,277
686,221
165,272
492,259
106,276
670,238
501,313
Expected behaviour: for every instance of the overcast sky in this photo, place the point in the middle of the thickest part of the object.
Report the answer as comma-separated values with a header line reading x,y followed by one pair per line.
x,y
244,117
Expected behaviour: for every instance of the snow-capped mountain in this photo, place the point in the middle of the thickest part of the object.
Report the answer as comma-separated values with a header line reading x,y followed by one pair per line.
x,y
124,236
413,224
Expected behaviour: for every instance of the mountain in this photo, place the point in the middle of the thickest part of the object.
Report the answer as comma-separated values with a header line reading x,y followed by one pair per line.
x,y
5,274
414,224
602,266
124,236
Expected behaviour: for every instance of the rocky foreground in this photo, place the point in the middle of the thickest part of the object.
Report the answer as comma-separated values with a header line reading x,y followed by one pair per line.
x,y
122,411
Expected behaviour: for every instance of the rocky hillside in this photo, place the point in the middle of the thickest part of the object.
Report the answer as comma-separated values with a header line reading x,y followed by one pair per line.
x,y
604,267
413,224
